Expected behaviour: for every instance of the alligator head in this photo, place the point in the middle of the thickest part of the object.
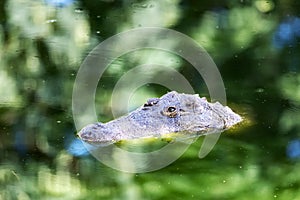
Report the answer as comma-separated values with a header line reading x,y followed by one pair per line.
x,y
172,113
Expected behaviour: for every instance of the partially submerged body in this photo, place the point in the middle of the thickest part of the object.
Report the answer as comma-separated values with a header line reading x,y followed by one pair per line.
x,y
172,113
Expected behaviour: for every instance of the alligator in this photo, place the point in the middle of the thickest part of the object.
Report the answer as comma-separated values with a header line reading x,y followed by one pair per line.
x,y
187,114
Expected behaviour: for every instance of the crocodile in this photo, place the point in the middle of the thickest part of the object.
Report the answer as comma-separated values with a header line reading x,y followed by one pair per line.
x,y
187,114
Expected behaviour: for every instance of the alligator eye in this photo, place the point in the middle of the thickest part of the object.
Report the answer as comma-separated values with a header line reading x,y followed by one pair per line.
x,y
170,111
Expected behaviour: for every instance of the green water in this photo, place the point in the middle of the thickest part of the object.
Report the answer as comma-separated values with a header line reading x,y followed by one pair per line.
x,y
255,45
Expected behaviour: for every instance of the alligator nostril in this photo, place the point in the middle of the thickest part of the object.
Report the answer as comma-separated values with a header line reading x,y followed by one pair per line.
x,y
86,135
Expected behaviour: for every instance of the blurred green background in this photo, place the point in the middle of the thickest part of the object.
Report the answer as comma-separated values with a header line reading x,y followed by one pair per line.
x,y
255,44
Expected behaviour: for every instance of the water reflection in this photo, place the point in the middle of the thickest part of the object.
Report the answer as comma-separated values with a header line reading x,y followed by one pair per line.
x,y
59,3
293,149
76,147
287,32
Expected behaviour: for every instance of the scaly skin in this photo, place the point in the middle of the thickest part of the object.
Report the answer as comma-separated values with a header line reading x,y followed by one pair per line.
x,y
172,113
